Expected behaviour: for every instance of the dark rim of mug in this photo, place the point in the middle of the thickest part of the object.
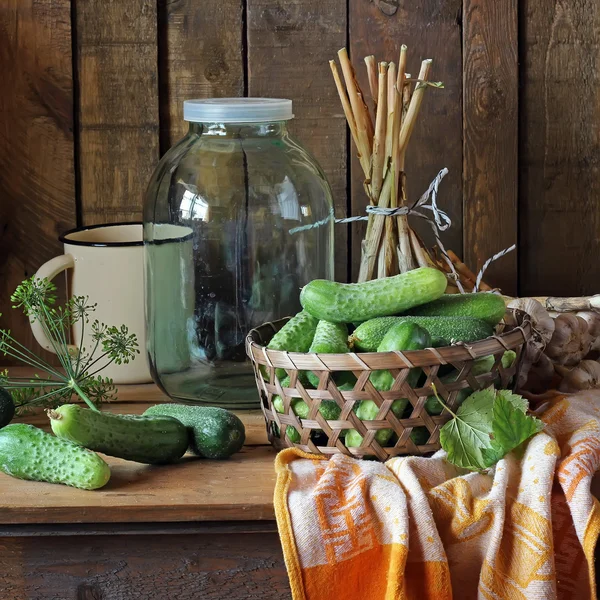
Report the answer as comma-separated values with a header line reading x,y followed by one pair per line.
x,y
63,238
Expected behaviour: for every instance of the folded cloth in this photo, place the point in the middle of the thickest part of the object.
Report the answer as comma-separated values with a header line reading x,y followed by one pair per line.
x,y
420,528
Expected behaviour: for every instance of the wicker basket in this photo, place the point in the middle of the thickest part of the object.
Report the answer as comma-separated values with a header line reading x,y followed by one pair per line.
x,y
320,436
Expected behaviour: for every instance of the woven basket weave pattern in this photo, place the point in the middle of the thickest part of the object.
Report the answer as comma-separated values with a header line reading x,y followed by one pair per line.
x,y
320,436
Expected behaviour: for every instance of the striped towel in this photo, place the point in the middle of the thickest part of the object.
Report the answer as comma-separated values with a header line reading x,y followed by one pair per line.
x,y
420,528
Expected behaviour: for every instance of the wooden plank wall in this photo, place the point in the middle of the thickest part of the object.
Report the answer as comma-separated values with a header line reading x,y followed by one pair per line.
x,y
92,96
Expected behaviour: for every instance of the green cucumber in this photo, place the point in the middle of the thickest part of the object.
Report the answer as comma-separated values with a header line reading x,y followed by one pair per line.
x,y
330,338
7,407
213,432
443,330
480,367
403,336
419,435
483,305
152,440
295,336
328,408
27,452
348,302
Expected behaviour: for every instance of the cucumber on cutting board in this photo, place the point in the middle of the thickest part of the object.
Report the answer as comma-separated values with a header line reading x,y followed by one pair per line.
x,y
144,439
214,432
482,305
443,330
349,302
27,452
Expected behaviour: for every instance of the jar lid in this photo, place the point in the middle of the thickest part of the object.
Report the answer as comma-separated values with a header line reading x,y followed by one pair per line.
x,y
237,110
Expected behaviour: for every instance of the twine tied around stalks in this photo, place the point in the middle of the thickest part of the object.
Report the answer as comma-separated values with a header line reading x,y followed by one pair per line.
x,y
438,220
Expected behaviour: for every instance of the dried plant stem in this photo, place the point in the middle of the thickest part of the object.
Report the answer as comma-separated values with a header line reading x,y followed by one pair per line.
x,y
406,261
391,117
397,122
345,102
379,138
422,259
415,106
364,127
372,76
372,241
388,257
466,273
406,98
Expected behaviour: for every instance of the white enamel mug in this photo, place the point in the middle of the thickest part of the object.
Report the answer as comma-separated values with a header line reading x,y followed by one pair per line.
x,y
105,263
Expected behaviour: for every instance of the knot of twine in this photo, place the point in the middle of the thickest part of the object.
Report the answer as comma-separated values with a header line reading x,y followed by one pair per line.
x,y
438,220
441,221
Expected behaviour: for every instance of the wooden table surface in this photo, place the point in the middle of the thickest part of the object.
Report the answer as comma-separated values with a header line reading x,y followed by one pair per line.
x,y
239,488
196,529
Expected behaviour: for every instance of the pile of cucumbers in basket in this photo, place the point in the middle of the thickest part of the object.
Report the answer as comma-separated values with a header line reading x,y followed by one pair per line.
x,y
163,434
400,313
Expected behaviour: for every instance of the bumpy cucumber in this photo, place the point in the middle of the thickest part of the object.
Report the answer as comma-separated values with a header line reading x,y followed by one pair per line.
x,y
443,330
7,407
483,305
152,440
295,336
404,335
348,302
419,435
480,366
328,408
330,338
214,432
27,452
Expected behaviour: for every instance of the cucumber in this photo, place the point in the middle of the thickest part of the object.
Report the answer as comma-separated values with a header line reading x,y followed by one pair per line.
x,y
213,432
348,302
404,335
443,330
295,336
419,435
152,440
328,408
330,338
293,434
7,407
483,305
480,366
27,452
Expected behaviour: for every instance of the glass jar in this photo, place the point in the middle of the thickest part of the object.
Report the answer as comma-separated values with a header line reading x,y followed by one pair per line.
x,y
238,217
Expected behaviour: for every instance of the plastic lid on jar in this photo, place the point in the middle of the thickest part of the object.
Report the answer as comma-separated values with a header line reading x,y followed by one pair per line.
x,y
237,110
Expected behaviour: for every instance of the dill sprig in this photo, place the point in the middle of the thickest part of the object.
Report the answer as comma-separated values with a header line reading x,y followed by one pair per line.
x,y
79,366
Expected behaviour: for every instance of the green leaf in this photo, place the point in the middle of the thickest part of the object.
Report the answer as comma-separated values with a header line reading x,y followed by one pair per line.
x,y
487,426
491,456
511,426
469,432
462,446
516,400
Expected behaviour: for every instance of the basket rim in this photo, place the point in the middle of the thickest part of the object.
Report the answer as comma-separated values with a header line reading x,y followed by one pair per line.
x,y
369,361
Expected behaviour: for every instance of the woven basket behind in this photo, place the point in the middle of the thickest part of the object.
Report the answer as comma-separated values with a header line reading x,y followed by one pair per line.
x,y
320,436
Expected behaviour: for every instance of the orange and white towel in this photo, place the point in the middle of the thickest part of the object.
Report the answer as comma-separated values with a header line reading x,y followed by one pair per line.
x,y
422,529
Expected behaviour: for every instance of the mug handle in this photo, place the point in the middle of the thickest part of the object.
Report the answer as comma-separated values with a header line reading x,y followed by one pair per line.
x,y
50,270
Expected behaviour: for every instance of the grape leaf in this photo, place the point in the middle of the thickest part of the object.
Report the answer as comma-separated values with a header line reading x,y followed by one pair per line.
x,y
490,456
487,426
511,426
464,436
516,400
